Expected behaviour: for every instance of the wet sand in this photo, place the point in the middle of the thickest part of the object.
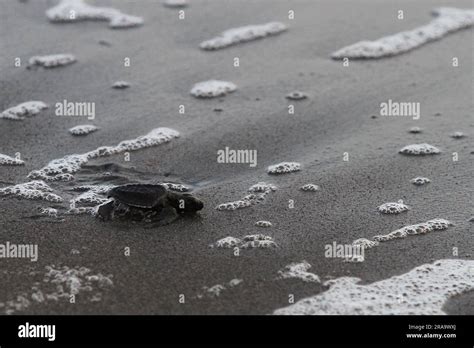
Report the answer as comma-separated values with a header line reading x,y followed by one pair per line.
x,y
165,63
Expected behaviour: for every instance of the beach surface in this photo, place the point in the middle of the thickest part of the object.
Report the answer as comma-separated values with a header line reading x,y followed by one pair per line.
x,y
351,155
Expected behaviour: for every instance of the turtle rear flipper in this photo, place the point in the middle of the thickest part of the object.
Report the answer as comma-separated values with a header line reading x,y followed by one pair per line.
x,y
164,217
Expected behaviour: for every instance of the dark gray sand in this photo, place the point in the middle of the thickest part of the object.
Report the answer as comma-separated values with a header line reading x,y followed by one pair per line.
x,y
335,118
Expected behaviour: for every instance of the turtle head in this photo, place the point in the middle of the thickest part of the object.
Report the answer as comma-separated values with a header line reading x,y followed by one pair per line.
x,y
185,203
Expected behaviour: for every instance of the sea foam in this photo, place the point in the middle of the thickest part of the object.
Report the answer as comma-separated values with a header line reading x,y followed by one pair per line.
x,y
83,129
393,207
52,61
58,284
78,10
419,180
70,164
284,167
257,195
26,109
212,88
35,189
422,291
10,161
448,20
299,270
419,150
242,34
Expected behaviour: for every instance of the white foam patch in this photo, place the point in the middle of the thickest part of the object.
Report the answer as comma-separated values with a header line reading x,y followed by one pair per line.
x,y
26,109
35,189
78,10
58,285
10,161
120,85
52,60
393,207
250,241
176,187
242,34
422,291
419,180
284,167
63,168
227,243
216,290
458,135
257,196
296,95
425,227
83,129
89,201
263,224
175,3
309,188
419,150
48,211
259,241
299,270
448,20
365,243
212,88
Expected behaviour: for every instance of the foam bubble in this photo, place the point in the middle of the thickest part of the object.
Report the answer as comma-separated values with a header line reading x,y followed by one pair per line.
x,y
227,243
175,3
419,180
176,187
365,243
258,241
83,129
284,167
310,187
448,20
419,149
26,109
457,135
212,88
247,242
48,211
58,284
52,61
120,85
393,207
243,34
257,196
299,270
415,130
296,95
35,189
425,227
422,291
215,290
263,224
82,11
58,168
10,161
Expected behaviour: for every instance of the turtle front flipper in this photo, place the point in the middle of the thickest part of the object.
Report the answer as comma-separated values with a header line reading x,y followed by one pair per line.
x,y
105,211
164,217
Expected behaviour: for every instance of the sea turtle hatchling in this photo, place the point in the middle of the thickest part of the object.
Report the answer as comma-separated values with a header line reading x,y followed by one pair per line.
x,y
148,202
